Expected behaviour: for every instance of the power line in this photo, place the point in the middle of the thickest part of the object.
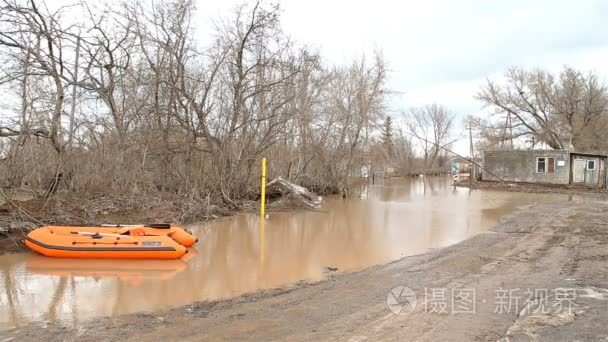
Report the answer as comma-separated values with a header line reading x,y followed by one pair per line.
x,y
456,154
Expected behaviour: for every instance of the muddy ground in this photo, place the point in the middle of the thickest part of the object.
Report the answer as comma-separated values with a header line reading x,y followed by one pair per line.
x,y
576,190
557,251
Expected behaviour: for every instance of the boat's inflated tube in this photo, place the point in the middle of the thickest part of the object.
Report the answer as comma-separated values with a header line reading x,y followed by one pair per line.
x,y
110,242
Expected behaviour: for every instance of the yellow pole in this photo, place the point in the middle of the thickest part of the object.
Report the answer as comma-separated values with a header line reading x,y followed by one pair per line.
x,y
263,199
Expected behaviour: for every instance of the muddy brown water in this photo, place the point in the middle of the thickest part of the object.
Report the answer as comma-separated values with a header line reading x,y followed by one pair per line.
x,y
236,255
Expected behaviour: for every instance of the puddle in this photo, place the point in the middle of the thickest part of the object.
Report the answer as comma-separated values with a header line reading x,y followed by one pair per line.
x,y
234,256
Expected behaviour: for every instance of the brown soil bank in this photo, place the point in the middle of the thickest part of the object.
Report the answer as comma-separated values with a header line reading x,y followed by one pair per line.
x,y
17,218
559,252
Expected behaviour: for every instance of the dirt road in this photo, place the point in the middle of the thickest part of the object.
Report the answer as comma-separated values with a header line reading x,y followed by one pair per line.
x,y
559,252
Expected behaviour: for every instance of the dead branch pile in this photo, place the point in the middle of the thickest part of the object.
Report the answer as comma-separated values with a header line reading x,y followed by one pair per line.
x,y
286,195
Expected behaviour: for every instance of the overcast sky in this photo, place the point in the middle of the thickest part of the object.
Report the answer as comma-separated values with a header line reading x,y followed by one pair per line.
x,y
441,50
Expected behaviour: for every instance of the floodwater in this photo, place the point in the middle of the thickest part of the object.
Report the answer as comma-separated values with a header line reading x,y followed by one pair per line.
x,y
236,255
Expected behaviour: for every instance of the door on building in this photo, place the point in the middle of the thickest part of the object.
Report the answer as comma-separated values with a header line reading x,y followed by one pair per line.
x,y
592,172
578,171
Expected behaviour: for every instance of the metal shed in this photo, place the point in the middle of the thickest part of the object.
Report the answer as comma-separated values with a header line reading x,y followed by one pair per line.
x,y
587,169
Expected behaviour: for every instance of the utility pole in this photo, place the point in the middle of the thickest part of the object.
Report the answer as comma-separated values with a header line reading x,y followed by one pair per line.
x,y
507,127
532,143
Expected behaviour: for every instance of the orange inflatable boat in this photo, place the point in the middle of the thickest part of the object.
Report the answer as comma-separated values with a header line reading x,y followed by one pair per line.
x,y
160,241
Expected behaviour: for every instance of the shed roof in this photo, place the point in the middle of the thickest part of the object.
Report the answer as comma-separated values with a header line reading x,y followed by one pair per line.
x,y
588,154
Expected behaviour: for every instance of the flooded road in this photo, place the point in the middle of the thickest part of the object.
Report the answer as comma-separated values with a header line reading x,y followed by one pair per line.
x,y
235,255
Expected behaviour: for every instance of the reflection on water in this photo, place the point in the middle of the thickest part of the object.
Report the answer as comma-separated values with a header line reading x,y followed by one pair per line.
x,y
236,255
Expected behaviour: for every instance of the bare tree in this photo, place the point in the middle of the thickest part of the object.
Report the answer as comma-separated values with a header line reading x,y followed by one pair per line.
x,y
159,114
37,34
555,110
433,127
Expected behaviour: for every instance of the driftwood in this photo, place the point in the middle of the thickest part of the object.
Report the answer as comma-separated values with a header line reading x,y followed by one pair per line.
x,y
283,195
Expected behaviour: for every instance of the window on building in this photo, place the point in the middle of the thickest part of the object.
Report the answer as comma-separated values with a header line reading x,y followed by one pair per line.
x,y
541,165
590,164
550,165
